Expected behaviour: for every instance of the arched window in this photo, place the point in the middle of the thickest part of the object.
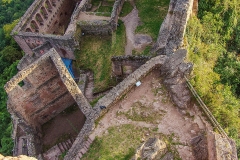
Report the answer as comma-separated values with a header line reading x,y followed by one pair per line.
x,y
34,26
28,30
39,19
44,13
48,6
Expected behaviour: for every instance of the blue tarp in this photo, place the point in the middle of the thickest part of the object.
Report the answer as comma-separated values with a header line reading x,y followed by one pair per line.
x,y
68,64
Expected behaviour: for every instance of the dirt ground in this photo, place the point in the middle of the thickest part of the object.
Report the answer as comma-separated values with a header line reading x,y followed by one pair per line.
x,y
65,125
184,125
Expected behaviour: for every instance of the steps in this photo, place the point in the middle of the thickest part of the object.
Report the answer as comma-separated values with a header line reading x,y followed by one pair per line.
x,y
58,149
85,148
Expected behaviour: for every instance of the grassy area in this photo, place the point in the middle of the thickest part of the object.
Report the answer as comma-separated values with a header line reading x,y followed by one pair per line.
x,y
105,9
126,9
142,112
95,54
120,143
152,14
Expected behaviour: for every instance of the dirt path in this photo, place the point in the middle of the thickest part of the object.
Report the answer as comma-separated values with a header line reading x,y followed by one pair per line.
x,y
131,22
184,125
138,41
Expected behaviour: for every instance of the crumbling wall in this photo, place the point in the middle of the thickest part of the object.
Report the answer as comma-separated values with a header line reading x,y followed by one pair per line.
x,y
173,28
118,62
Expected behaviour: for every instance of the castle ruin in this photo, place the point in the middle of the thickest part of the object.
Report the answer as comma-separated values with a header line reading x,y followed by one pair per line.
x,y
43,89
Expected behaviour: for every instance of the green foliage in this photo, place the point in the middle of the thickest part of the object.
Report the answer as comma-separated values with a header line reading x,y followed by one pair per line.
x,y
6,143
213,44
9,54
228,66
152,13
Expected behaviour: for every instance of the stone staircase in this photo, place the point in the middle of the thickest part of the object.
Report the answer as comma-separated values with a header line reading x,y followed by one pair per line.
x,y
84,149
57,150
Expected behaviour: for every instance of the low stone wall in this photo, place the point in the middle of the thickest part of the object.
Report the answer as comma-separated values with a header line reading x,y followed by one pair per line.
x,y
95,27
117,7
134,62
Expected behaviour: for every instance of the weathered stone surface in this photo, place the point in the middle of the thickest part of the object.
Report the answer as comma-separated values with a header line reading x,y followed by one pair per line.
x,y
199,146
173,28
168,156
173,72
220,147
21,157
150,149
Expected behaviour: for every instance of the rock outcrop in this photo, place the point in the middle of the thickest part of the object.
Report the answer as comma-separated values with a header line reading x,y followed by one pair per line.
x,y
173,28
173,71
152,148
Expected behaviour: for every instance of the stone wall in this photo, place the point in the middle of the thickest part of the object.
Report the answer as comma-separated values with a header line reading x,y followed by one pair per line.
x,y
134,62
173,27
63,44
48,89
117,7
72,27
95,27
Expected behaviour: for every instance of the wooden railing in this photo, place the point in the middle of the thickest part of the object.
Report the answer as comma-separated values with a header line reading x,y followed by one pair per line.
x,y
205,109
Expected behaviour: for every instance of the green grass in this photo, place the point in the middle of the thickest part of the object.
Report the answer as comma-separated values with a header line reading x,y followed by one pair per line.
x,y
152,14
95,54
121,142
105,9
126,9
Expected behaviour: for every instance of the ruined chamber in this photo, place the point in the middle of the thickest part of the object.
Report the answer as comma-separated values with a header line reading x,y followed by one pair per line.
x,y
37,96
44,25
